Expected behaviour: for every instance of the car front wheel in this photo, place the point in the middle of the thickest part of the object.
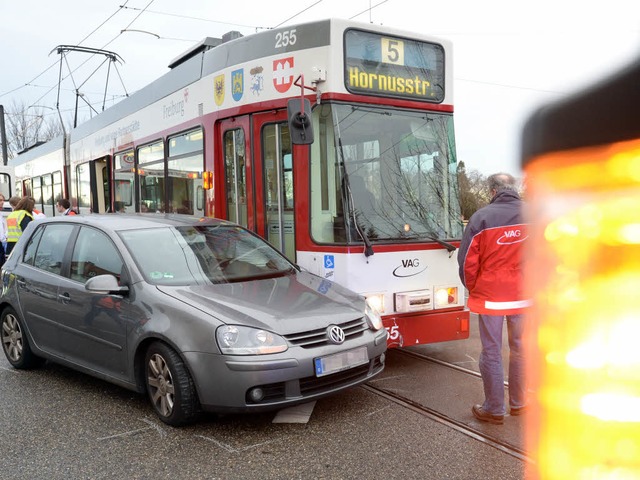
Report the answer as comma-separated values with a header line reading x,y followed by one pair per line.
x,y
170,386
15,343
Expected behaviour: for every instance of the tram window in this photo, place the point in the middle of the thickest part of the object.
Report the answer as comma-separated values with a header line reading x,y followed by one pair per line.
x,y
151,175
327,222
123,166
151,153
5,185
37,190
189,142
123,161
184,173
200,198
47,189
26,189
152,187
123,191
270,168
287,173
234,161
83,186
57,186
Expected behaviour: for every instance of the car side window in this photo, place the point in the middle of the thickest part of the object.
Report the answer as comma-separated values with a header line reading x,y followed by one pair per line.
x,y
32,246
94,254
50,249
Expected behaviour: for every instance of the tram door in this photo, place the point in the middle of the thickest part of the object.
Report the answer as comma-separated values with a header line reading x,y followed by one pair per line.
x,y
92,187
273,163
238,171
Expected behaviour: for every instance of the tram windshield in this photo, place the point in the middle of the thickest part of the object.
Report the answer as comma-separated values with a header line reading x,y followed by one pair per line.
x,y
381,174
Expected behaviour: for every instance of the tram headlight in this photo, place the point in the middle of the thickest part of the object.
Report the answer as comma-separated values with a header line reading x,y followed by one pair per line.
x,y
239,340
446,296
373,317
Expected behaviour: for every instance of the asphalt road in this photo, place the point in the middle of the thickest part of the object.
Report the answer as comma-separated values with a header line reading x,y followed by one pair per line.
x,y
59,424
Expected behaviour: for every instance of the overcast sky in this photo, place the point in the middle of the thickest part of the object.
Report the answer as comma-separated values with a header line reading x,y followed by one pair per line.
x,y
510,56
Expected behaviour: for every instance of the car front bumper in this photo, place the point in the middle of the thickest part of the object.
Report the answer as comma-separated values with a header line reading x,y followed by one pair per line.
x,y
228,383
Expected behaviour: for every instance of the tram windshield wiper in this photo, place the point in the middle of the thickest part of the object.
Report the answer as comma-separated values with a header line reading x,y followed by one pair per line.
x,y
348,196
450,248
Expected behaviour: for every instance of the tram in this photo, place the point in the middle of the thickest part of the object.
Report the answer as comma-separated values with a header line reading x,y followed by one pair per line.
x,y
363,191
7,187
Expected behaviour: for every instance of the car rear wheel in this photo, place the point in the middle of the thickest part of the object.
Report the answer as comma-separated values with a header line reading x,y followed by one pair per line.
x,y
15,343
170,386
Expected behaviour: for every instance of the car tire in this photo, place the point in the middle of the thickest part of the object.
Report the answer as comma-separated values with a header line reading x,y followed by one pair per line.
x,y
170,386
15,343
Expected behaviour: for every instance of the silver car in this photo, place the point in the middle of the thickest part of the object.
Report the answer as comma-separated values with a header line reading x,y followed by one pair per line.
x,y
201,314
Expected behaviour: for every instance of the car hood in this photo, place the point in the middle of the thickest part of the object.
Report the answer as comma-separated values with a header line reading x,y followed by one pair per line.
x,y
279,304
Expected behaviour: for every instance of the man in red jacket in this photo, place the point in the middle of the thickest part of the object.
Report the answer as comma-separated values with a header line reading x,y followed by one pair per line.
x,y
490,260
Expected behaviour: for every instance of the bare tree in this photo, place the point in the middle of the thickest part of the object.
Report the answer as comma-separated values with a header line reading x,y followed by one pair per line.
x,y
28,125
473,190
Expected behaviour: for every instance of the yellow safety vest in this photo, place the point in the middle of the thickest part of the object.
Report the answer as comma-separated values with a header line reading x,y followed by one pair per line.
x,y
13,224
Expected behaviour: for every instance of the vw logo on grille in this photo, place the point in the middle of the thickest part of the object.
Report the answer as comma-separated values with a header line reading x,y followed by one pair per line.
x,y
335,334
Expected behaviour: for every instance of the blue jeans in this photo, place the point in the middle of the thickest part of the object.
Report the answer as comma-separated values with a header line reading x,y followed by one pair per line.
x,y
491,362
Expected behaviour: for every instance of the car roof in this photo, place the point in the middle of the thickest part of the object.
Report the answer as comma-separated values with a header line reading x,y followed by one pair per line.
x,y
123,221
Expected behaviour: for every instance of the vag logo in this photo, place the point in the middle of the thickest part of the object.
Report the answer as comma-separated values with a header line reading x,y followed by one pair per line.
x,y
408,268
511,236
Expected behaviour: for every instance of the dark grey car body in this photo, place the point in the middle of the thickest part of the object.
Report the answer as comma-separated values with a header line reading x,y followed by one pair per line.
x,y
107,333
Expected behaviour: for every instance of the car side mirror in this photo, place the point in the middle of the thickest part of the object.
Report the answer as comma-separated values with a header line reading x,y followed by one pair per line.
x,y
105,284
300,125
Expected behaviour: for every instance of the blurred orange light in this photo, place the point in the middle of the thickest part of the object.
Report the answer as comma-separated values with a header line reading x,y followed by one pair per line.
x,y
583,272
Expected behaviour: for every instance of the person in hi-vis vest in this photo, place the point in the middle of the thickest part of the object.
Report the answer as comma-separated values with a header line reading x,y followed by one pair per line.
x,y
18,220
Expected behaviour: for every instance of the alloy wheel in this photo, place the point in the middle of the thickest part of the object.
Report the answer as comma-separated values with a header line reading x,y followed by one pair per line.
x,y
161,384
12,338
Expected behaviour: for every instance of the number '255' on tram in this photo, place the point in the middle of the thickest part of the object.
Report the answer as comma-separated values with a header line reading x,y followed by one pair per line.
x,y
333,140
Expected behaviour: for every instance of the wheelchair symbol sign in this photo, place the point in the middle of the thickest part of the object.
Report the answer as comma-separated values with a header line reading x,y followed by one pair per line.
x,y
328,261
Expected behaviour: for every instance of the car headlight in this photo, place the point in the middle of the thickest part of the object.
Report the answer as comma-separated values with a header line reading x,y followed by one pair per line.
x,y
239,340
373,317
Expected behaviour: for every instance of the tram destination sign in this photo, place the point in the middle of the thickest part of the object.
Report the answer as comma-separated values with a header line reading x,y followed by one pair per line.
x,y
377,64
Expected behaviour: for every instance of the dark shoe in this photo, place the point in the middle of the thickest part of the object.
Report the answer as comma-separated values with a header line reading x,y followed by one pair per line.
x,y
484,416
515,411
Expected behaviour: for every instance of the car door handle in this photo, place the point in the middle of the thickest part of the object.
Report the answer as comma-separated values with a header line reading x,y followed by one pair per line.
x,y
21,283
64,297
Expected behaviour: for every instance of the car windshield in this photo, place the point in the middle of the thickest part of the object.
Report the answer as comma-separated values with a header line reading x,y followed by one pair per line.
x,y
196,255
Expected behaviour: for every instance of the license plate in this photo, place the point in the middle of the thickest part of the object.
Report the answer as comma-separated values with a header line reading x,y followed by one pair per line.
x,y
341,361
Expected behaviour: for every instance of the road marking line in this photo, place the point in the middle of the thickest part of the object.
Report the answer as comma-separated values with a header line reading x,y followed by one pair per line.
x,y
152,426
224,446
125,434
378,411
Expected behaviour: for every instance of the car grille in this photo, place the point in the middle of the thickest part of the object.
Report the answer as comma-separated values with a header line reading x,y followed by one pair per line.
x,y
318,337
310,386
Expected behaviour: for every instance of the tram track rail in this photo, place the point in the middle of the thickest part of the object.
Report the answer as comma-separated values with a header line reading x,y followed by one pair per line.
x,y
439,362
444,419
453,366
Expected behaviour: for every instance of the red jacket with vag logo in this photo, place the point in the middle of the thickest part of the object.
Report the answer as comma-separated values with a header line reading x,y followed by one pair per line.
x,y
490,257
